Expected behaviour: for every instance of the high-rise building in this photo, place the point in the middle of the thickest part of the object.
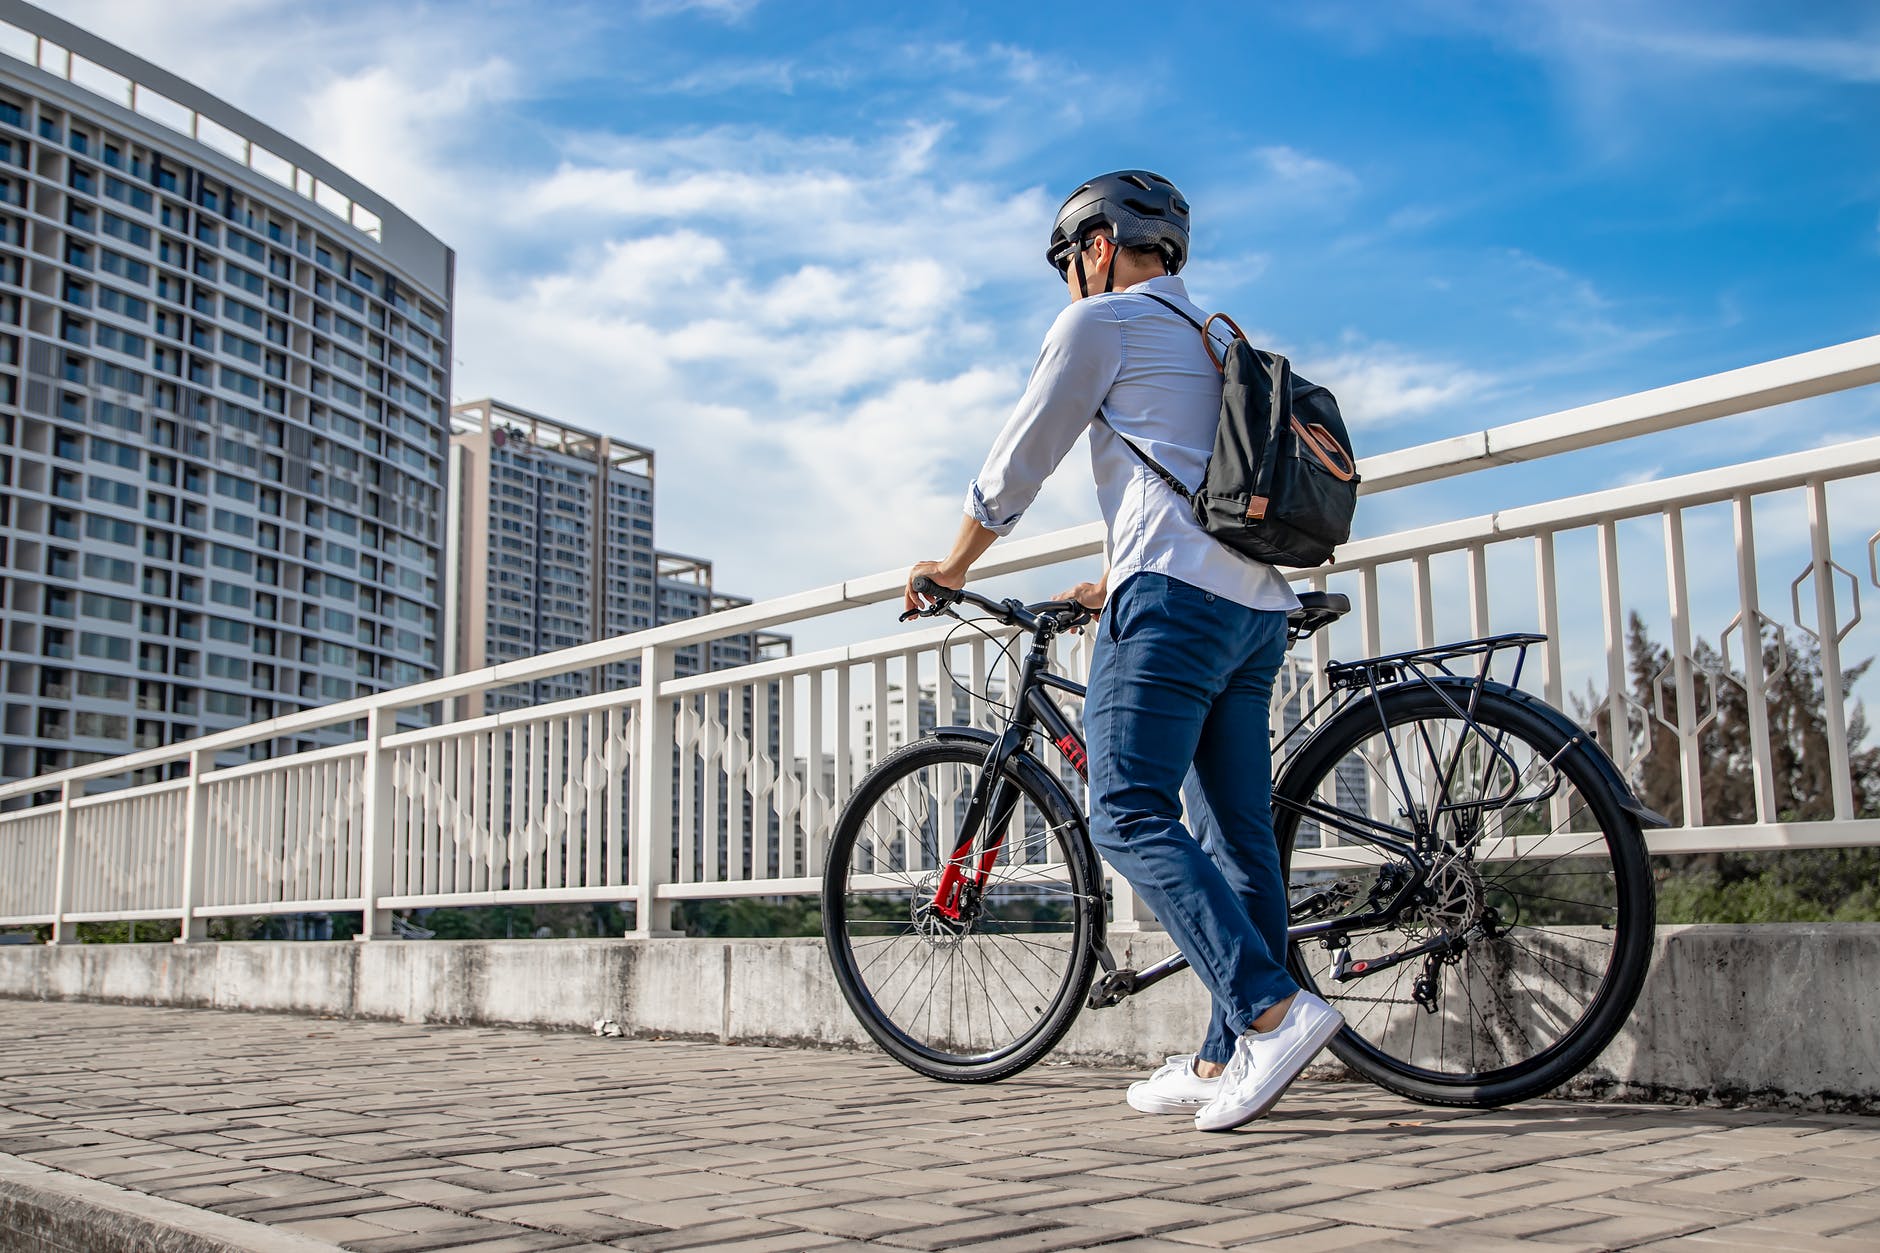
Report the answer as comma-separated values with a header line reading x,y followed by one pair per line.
x,y
551,545
683,590
224,372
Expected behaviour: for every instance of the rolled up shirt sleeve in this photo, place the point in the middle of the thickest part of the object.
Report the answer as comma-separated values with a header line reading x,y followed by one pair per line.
x,y
1082,354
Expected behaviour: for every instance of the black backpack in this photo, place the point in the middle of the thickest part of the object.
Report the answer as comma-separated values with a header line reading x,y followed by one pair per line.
x,y
1282,482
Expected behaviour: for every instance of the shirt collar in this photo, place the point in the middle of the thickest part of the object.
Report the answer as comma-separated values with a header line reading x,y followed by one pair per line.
x,y
1162,284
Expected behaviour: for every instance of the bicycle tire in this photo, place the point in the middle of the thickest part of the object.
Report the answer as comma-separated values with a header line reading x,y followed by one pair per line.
x,y
1003,949
1374,1052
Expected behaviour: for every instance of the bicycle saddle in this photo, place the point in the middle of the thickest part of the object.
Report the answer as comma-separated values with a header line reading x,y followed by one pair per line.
x,y
1317,609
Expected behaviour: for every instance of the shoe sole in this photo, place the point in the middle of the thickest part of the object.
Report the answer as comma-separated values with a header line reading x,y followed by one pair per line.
x,y
1306,1051
1161,1105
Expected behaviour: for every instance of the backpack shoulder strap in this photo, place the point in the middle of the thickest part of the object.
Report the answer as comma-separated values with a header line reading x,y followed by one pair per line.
x,y
1161,471
1206,341
1174,308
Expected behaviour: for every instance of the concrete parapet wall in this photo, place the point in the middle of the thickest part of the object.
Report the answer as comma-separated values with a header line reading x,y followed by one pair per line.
x,y
1779,1014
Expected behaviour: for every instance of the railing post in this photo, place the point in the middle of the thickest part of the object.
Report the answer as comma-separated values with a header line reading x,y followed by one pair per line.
x,y
1827,623
63,931
375,862
194,928
653,830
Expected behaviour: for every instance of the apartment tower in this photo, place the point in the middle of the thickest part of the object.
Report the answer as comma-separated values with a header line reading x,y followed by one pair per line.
x,y
224,382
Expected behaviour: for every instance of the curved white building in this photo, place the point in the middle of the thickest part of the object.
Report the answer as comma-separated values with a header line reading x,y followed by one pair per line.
x,y
224,413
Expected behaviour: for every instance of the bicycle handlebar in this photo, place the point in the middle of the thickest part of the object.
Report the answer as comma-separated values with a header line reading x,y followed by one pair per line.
x,y
1058,615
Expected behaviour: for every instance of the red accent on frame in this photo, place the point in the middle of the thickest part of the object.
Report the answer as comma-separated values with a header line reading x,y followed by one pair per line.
x,y
947,898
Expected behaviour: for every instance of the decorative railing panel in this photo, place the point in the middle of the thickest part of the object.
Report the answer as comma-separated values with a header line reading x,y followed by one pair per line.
x,y
283,836
517,807
29,866
126,853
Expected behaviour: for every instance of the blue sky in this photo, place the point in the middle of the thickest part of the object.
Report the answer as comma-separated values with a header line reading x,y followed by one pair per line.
x,y
798,248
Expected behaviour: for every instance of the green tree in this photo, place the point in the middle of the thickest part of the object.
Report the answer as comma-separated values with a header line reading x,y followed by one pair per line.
x,y
1803,885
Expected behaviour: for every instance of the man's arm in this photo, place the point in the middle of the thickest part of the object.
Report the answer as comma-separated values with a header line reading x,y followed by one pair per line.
x,y
1079,360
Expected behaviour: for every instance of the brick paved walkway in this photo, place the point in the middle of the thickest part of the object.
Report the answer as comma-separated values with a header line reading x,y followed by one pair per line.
x,y
378,1136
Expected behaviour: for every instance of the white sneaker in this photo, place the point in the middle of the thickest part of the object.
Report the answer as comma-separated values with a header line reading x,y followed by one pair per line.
x,y
1266,1062
1174,1088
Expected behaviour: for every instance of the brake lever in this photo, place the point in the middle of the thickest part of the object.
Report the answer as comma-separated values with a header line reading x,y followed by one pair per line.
x,y
939,608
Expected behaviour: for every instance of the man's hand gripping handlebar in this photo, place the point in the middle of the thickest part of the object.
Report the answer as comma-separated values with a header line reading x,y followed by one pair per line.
x,y
1055,616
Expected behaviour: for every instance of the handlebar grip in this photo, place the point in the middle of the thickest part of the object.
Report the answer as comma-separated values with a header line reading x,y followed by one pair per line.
x,y
924,585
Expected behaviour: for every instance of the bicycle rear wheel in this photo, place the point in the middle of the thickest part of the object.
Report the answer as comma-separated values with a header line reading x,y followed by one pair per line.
x,y
982,997
1544,891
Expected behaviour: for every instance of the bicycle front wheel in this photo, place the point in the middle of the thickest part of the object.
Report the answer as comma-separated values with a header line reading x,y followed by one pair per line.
x,y
980,996
1535,926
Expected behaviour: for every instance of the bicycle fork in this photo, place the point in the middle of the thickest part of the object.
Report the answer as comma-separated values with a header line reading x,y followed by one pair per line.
x,y
992,802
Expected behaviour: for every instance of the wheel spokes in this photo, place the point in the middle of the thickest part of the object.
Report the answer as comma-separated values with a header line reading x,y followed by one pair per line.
x,y
1521,881
980,984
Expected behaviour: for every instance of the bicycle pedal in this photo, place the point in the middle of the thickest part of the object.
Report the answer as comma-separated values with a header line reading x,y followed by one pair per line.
x,y
1111,989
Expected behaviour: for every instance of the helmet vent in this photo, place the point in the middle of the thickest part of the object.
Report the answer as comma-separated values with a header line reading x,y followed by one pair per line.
x,y
1136,180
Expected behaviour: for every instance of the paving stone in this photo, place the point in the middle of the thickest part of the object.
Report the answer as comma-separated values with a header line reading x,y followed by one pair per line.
x,y
1050,1240
966,1232
1830,1218
730,1232
1228,1233
1150,1214
839,1221
461,1232
1620,1232
338,1230
1754,1235
570,1218
1323,1240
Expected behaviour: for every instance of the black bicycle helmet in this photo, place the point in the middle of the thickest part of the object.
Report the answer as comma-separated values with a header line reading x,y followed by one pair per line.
x,y
1141,209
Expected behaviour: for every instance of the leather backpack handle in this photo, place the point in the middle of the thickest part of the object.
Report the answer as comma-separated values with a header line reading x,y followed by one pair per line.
x,y
1209,343
1322,444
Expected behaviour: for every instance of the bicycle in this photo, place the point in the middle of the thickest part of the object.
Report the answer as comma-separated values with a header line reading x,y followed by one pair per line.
x,y
1460,833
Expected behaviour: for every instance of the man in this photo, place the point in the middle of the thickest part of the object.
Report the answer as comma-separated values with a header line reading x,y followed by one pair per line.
x,y
1186,654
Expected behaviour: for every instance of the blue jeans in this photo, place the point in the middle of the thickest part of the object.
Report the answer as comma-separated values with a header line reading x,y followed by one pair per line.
x,y
1182,676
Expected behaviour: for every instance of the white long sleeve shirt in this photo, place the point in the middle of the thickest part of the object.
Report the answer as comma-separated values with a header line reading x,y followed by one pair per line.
x,y
1149,372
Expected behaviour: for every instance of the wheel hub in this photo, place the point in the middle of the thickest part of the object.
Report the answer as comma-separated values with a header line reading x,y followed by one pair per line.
x,y
932,925
1451,900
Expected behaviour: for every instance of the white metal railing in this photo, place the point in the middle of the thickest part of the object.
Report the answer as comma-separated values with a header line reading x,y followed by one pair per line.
x,y
726,784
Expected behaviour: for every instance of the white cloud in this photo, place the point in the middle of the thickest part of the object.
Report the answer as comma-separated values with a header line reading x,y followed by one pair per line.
x,y
1301,173
1853,57
1379,385
825,328
1638,475
723,10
